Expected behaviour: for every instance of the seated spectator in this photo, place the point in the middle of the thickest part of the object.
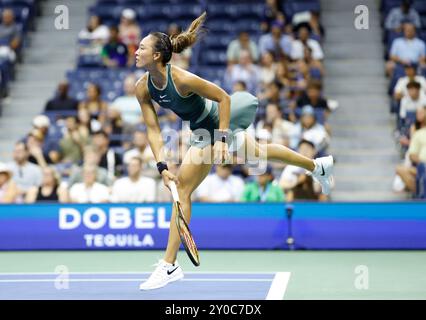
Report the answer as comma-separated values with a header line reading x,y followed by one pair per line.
x,y
268,69
129,33
134,188
8,190
179,59
89,191
416,154
109,159
25,173
90,158
62,101
9,35
313,97
308,129
245,71
243,42
280,128
74,140
142,150
317,30
276,42
263,189
115,53
404,13
309,67
400,89
50,137
95,31
94,103
128,104
297,50
295,182
35,141
221,186
50,189
406,50
405,138
114,125
415,99
273,93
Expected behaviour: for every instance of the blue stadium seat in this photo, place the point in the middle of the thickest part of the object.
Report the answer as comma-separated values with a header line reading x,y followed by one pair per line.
x,y
183,11
213,57
388,5
421,181
221,26
420,6
213,41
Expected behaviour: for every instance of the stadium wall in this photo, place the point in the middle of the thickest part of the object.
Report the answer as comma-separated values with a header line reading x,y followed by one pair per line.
x,y
215,226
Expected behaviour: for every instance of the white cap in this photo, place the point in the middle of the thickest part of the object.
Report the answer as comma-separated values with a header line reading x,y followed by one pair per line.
x,y
5,168
41,121
129,14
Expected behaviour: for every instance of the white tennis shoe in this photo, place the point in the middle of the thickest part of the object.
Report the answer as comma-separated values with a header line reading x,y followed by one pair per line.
x,y
323,173
163,274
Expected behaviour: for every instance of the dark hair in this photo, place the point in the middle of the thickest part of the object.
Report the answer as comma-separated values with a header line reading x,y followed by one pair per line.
x,y
414,85
177,43
242,83
102,133
303,141
314,85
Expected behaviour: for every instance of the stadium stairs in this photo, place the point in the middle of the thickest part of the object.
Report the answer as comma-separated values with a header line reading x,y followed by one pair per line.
x,y
362,126
49,54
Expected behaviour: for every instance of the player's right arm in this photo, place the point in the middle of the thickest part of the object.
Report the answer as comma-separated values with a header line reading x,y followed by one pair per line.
x,y
155,138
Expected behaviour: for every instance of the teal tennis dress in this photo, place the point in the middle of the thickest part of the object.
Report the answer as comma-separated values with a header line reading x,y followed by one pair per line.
x,y
202,113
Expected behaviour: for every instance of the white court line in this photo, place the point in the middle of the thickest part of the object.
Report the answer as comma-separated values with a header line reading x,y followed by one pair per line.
x,y
278,286
131,272
130,280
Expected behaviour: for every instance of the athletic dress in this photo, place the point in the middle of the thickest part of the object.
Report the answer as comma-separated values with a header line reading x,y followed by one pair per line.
x,y
202,113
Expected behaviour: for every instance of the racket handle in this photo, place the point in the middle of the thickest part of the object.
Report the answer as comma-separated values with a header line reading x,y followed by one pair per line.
x,y
174,191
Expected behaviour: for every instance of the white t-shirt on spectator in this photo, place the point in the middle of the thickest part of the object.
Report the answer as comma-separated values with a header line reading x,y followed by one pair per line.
x,y
147,154
410,105
98,193
100,33
297,51
125,190
220,190
401,85
290,175
129,109
317,135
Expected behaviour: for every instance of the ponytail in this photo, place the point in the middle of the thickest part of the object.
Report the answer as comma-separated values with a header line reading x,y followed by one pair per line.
x,y
187,38
167,45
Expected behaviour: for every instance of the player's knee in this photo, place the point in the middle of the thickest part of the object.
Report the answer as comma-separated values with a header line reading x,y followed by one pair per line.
x,y
184,191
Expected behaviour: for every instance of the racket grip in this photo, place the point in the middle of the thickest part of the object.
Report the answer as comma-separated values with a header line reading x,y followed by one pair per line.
x,y
174,191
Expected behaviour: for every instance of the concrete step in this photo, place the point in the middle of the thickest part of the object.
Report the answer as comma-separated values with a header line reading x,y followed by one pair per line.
x,y
361,67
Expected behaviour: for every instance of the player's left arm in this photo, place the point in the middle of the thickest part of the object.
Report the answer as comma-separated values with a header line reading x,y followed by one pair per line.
x,y
210,91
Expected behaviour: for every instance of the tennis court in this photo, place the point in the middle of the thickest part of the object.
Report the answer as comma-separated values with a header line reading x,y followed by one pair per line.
x,y
246,275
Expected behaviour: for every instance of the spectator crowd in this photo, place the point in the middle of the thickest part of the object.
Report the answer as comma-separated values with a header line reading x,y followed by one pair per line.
x,y
92,147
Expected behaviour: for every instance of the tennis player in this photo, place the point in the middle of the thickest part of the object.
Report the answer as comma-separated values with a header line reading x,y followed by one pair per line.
x,y
217,120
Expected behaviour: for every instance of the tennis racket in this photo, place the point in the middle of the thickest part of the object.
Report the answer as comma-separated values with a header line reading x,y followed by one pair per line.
x,y
183,229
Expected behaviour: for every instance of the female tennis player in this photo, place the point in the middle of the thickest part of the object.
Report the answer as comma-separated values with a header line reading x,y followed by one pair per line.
x,y
217,121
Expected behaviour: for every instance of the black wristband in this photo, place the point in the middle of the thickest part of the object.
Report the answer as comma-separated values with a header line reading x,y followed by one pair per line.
x,y
161,166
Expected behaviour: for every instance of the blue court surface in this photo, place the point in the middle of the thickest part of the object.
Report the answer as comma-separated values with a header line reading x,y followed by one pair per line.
x,y
125,285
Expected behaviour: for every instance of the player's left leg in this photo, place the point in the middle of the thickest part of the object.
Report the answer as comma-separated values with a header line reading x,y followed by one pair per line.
x,y
321,168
